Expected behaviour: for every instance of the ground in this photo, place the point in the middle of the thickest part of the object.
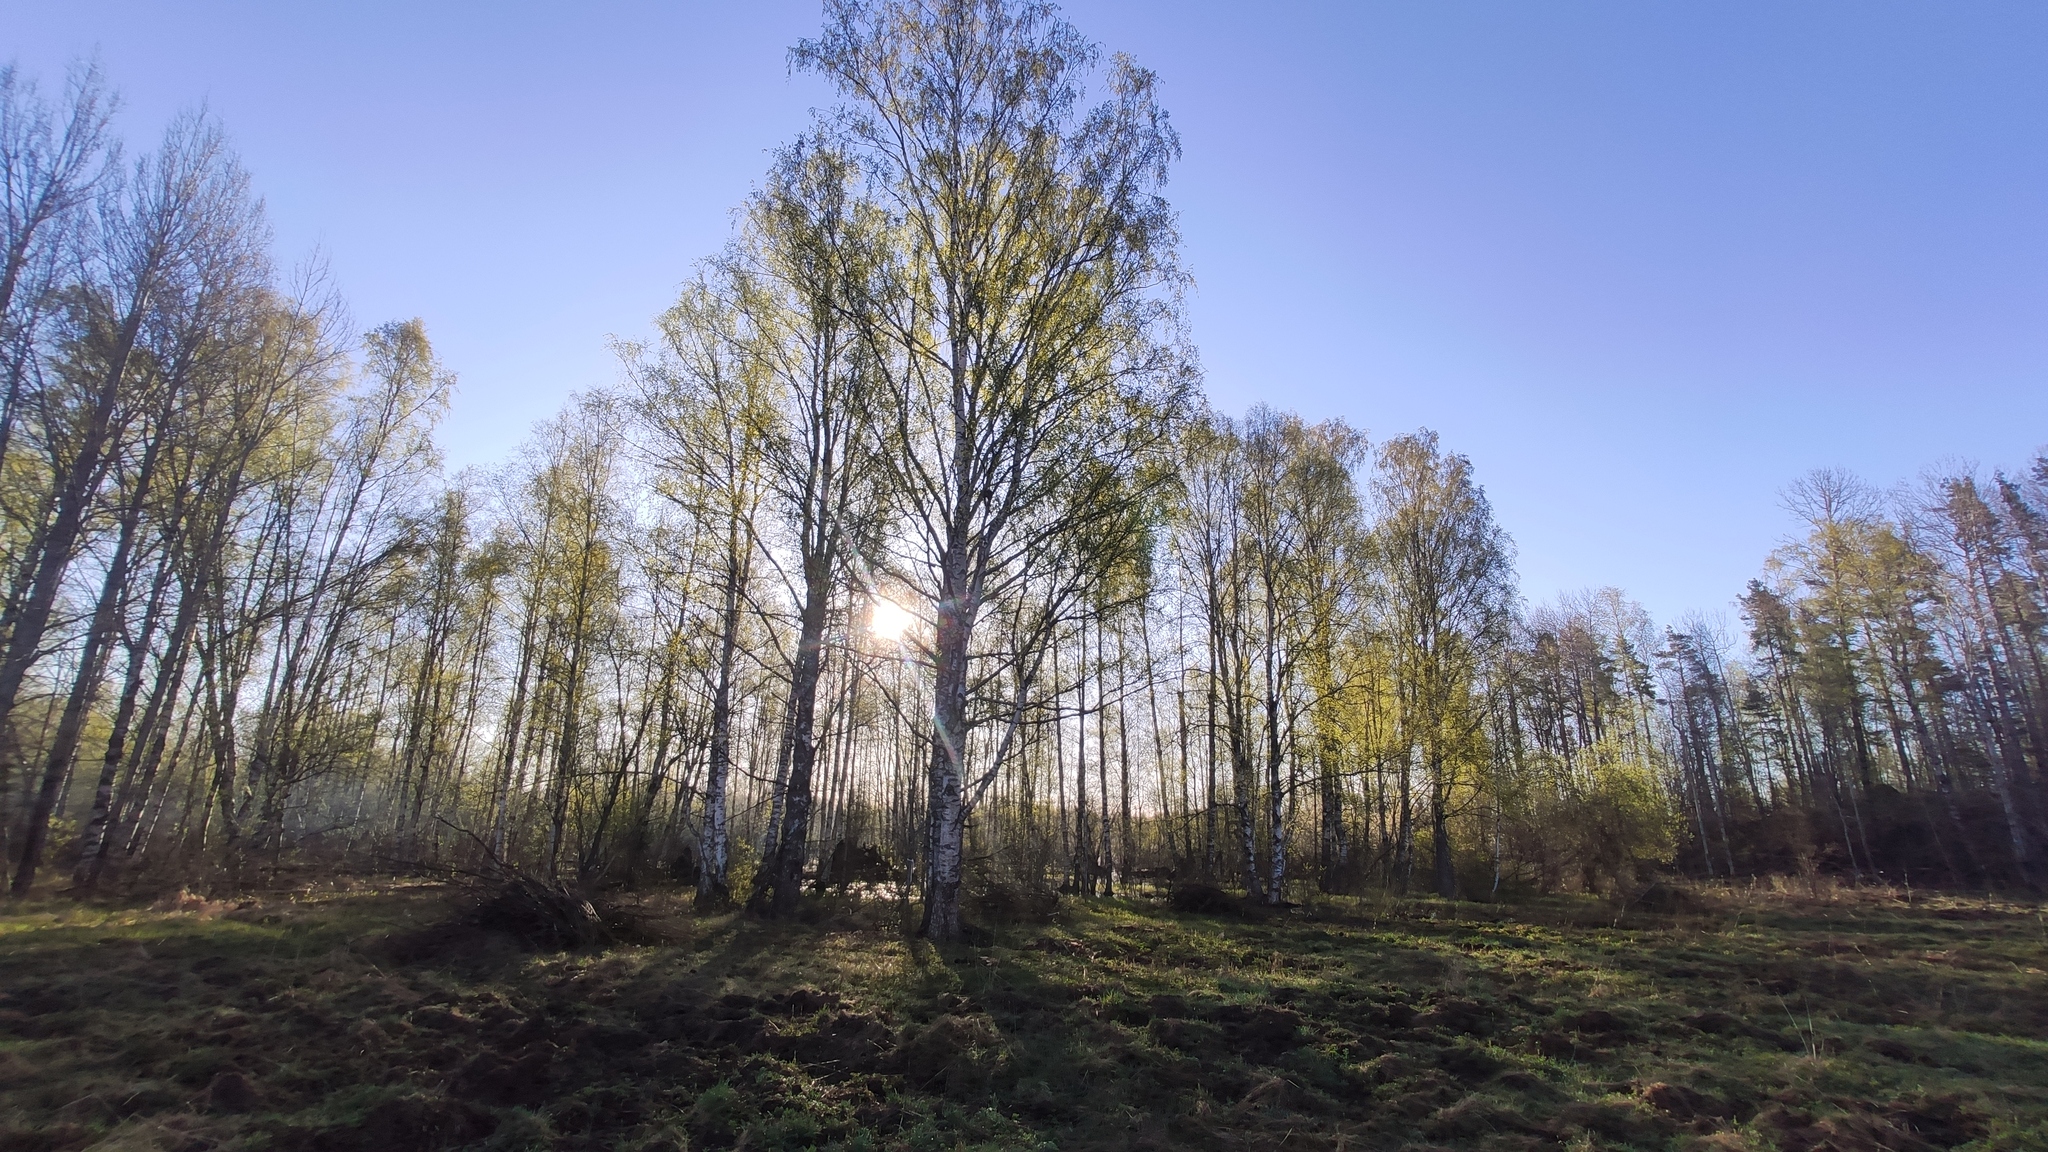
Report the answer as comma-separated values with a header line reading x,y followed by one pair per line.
x,y
380,1019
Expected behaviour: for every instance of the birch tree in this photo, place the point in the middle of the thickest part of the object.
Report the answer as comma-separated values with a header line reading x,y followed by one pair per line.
x,y
1448,584
1024,318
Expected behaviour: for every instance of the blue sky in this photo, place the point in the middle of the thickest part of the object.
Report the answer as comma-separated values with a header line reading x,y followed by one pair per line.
x,y
1644,263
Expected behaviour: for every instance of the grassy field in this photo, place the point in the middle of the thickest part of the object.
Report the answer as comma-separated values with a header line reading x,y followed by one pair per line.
x,y
376,1019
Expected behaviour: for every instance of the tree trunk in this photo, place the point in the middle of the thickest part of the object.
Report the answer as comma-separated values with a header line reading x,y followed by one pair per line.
x,y
946,812
1276,795
1440,832
786,868
49,554
94,836
714,889
85,687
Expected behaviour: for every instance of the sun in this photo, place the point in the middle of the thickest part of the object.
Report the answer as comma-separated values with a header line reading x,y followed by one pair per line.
x,y
888,620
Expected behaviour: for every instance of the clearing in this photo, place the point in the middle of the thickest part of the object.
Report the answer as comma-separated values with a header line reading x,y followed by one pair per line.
x,y
383,1019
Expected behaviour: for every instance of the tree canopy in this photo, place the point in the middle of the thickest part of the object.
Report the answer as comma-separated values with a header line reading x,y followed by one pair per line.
x,y
908,555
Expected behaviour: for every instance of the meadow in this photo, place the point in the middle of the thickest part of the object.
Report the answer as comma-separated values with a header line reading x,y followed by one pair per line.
x,y
394,1017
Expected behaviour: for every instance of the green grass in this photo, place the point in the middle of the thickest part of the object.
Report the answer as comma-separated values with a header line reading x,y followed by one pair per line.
x,y
349,1021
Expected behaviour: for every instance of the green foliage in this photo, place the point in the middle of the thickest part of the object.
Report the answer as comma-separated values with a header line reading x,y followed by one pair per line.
x,y
1625,813
717,1113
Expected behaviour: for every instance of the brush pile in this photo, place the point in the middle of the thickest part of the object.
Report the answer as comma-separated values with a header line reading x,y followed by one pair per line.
x,y
544,914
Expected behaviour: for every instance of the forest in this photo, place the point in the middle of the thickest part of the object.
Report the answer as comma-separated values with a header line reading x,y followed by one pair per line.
x,y
906,559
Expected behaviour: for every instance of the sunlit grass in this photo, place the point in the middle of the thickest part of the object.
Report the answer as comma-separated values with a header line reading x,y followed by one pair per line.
x,y
1767,1019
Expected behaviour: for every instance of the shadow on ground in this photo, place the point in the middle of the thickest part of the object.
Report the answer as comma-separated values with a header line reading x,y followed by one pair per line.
x,y
390,1020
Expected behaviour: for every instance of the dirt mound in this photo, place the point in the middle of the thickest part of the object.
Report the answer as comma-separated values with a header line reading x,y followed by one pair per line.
x,y
491,919
846,1042
1664,899
852,864
801,1001
1600,1022
955,1054
413,1122
1457,1015
1260,1033
1206,899
543,914
1012,904
1683,1103
1917,1125
188,902
231,1092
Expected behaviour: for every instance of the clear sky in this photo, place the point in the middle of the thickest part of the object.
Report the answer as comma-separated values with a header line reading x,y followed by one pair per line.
x,y
1644,263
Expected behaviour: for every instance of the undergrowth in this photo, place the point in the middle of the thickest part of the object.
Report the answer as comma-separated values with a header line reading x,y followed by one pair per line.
x,y
388,1020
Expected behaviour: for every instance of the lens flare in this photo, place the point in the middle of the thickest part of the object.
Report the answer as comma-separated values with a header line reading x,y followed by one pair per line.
x,y
888,620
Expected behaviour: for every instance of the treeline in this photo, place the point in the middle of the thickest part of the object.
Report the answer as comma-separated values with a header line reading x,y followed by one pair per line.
x,y
1887,718
908,555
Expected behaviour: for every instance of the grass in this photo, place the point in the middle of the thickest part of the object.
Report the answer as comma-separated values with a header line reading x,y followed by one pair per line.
x,y
362,1020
